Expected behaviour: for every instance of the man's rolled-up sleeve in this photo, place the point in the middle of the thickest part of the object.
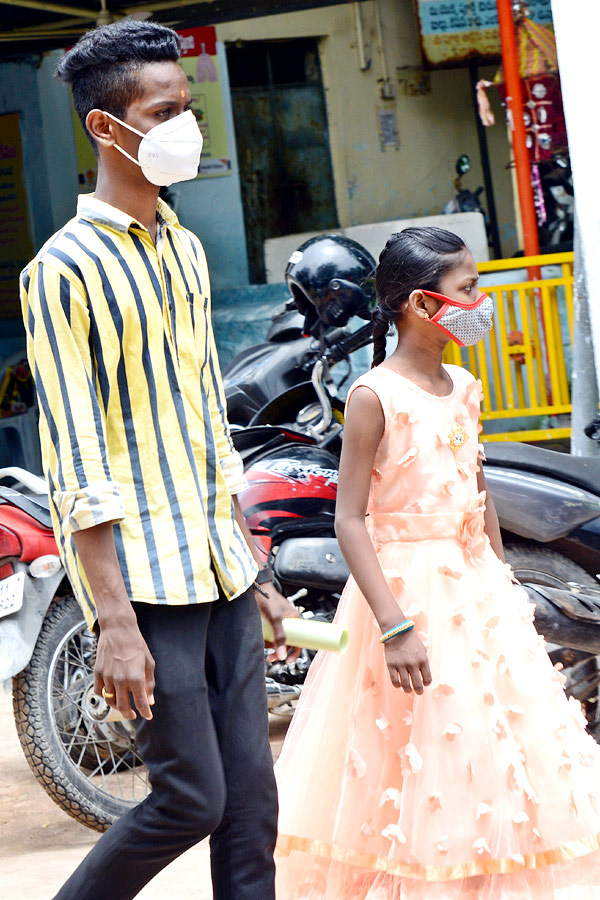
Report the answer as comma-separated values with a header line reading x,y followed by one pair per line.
x,y
233,471
72,421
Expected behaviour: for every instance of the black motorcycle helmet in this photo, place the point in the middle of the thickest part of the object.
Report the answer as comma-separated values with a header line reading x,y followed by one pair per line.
x,y
331,278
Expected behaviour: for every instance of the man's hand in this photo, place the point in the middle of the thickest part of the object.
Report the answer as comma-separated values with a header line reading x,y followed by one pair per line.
x,y
275,607
124,666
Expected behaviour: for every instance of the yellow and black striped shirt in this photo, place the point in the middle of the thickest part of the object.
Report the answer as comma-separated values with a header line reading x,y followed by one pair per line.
x,y
132,412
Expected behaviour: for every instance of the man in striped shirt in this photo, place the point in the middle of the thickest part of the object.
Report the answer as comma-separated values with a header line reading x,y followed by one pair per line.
x,y
142,472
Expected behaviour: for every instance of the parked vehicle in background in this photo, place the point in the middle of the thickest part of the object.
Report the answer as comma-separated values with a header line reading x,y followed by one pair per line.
x,y
327,276
82,753
465,200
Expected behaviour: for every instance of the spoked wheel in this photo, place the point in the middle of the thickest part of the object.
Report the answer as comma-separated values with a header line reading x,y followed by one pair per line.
x,y
582,670
88,764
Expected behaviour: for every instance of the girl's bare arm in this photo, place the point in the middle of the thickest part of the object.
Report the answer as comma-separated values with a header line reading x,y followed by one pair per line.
x,y
405,655
492,527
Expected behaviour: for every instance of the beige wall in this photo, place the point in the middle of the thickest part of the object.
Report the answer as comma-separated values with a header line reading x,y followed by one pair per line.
x,y
372,184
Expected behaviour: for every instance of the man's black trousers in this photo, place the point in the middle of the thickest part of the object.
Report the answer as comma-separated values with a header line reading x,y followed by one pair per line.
x,y
208,756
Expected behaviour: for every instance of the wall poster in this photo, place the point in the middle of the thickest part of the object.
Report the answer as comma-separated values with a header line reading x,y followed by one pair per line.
x,y
200,64
16,244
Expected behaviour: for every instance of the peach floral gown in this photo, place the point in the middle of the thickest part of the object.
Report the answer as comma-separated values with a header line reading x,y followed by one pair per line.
x,y
486,787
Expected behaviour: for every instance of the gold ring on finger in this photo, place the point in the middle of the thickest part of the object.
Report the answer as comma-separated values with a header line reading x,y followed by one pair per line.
x,y
106,694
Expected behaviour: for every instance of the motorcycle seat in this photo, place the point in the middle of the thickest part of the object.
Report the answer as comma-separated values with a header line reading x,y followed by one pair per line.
x,y
581,471
35,505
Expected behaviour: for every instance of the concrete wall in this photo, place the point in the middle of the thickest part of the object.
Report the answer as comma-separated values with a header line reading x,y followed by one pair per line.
x,y
374,184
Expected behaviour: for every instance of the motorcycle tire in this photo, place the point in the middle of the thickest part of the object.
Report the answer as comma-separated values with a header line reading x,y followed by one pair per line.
x,y
582,670
541,566
90,769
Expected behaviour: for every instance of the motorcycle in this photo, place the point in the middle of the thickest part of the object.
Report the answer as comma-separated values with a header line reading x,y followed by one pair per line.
x,y
327,276
548,505
266,370
79,749
555,203
465,200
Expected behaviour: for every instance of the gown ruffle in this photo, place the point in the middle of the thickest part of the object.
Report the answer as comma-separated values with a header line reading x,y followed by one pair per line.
x,y
485,787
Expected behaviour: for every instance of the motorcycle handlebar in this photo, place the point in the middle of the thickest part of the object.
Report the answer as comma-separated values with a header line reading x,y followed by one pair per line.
x,y
341,349
338,346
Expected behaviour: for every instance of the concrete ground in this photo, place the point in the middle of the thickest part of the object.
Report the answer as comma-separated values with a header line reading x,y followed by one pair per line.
x,y
40,845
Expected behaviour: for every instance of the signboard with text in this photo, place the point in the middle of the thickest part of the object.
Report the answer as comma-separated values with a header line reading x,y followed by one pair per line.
x,y
455,32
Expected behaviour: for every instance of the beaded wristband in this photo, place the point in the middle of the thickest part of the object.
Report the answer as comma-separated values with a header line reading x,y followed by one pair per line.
x,y
407,625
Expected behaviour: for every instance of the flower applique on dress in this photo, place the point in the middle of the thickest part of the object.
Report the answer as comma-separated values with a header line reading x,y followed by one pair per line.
x,y
457,439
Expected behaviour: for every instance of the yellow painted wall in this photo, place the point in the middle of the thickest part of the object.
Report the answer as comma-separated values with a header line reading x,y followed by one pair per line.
x,y
372,184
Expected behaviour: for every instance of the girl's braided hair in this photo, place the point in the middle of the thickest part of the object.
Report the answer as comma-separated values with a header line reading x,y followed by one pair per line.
x,y
416,258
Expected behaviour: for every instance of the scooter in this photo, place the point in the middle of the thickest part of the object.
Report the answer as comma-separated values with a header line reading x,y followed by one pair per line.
x,y
80,750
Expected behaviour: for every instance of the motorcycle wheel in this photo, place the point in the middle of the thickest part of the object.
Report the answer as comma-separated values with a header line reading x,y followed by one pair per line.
x,y
91,769
582,670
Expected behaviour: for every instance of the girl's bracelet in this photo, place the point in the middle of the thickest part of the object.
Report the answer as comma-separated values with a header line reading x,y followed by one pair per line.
x,y
407,625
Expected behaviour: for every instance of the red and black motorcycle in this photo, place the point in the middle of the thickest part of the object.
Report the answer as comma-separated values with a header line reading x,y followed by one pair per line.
x,y
82,753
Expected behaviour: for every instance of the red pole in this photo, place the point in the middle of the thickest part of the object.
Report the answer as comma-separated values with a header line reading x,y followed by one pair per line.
x,y
514,104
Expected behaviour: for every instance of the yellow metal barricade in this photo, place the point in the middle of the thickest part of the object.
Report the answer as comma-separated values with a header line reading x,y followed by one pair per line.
x,y
525,362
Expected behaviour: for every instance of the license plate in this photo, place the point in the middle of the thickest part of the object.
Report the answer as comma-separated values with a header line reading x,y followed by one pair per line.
x,y
11,593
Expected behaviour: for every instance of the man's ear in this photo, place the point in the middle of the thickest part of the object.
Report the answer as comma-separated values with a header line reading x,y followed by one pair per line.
x,y
100,127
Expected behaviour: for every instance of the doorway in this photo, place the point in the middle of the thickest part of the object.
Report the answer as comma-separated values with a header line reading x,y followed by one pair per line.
x,y
282,142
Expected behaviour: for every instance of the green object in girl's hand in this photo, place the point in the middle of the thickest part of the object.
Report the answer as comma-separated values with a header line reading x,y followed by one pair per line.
x,y
310,634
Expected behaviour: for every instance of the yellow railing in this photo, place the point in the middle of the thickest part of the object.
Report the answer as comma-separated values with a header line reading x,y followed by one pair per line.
x,y
525,362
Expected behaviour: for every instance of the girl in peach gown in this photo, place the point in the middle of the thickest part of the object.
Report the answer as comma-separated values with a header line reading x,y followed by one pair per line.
x,y
446,762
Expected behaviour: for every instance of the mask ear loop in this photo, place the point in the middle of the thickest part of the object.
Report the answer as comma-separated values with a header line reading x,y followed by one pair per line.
x,y
451,301
131,128
128,155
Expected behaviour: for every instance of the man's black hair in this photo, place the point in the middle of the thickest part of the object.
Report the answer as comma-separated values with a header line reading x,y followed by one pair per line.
x,y
102,67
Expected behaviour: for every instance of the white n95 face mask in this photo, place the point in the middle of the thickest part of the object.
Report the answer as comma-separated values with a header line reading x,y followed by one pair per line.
x,y
170,151
465,323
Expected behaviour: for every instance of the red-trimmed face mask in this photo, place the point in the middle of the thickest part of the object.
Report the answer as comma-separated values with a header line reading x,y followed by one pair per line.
x,y
464,323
